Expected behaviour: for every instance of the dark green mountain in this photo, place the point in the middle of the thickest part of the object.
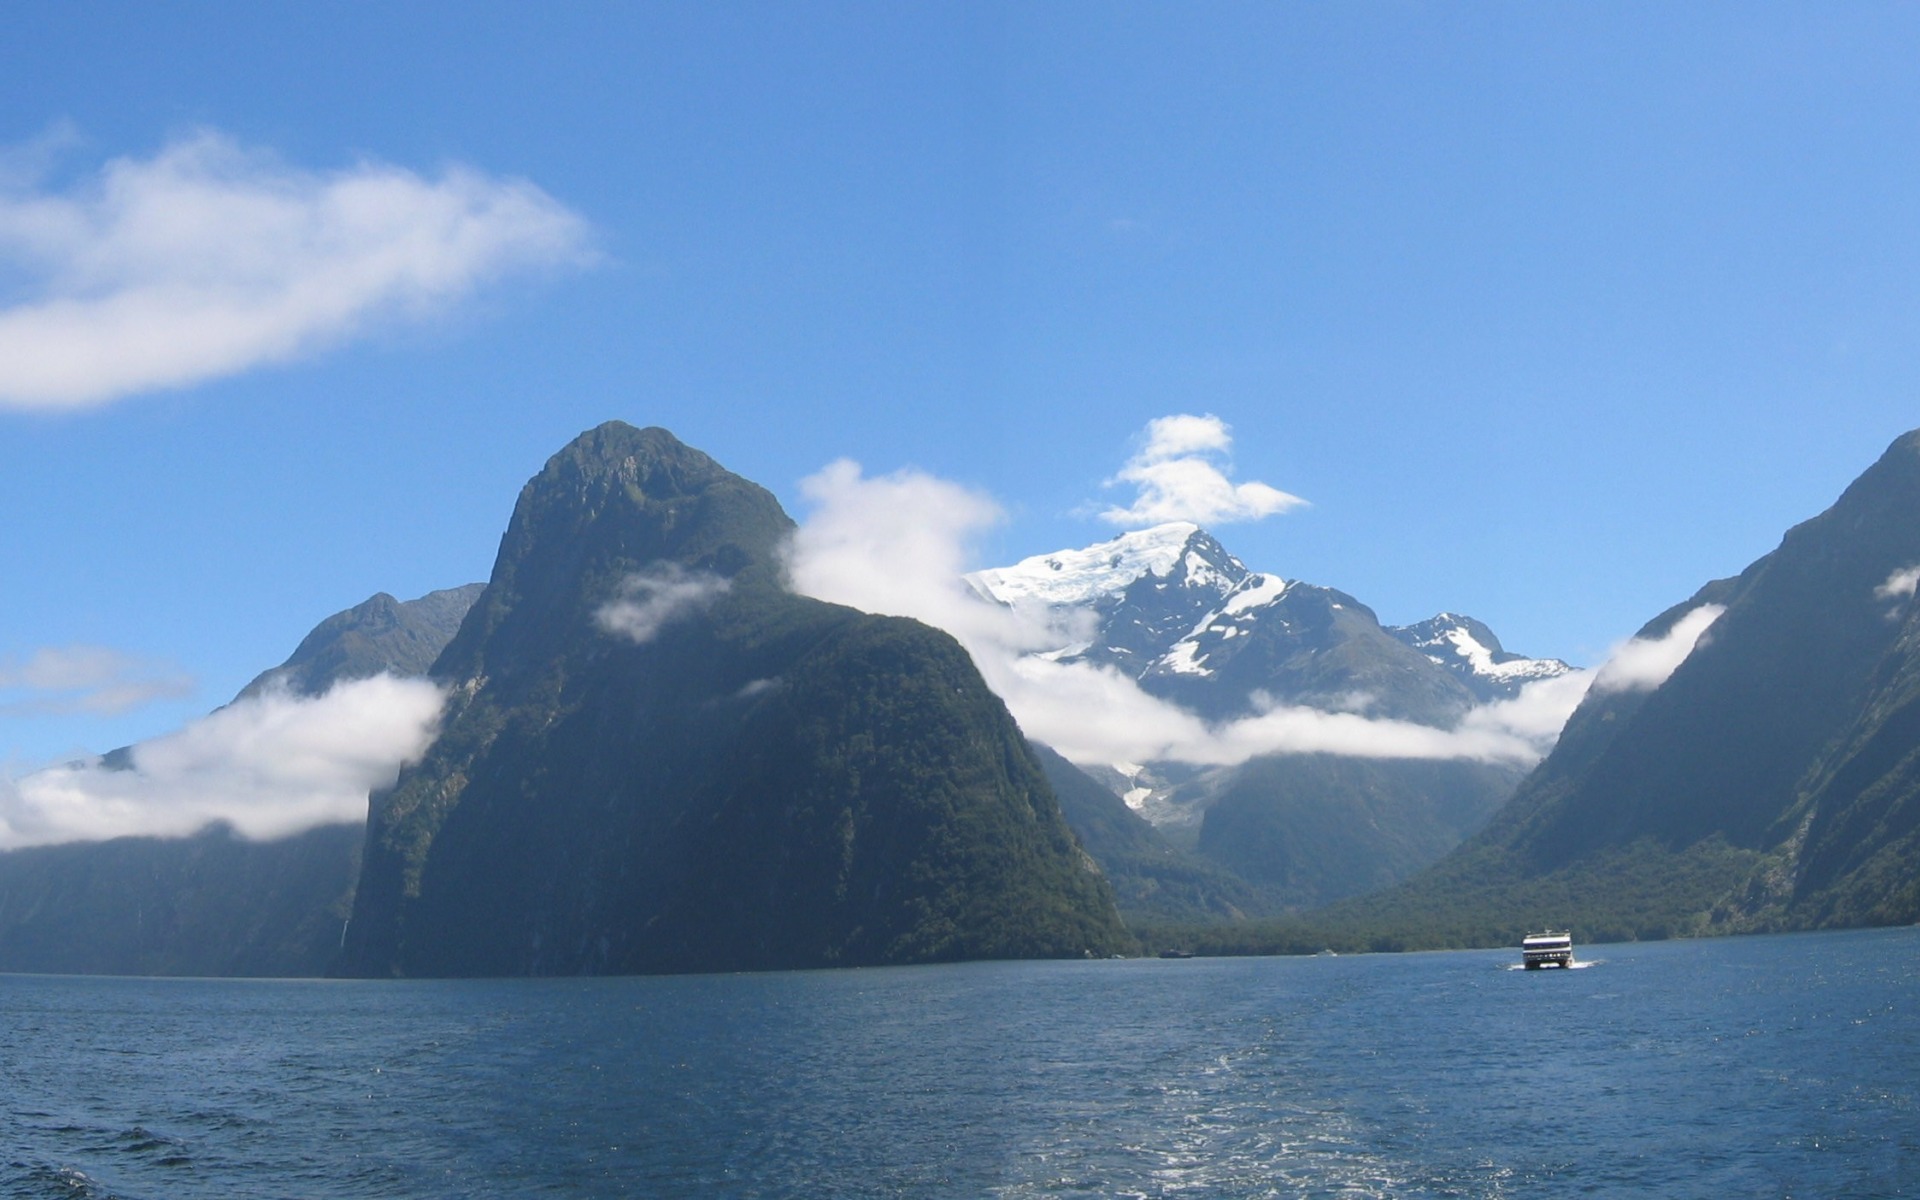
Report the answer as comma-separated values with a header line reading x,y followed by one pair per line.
x,y
1173,610
1309,829
1770,782
379,635
658,759
1153,880
211,904
215,903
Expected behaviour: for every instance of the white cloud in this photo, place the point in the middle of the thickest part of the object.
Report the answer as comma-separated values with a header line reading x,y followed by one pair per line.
x,y
656,597
899,544
1181,474
1643,664
270,766
1900,585
86,679
210,258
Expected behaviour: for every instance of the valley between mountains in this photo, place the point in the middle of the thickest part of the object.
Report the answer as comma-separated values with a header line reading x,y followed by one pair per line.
x,y
654,755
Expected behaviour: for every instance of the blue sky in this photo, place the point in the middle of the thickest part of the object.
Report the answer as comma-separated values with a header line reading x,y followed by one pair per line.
x,y
1550,313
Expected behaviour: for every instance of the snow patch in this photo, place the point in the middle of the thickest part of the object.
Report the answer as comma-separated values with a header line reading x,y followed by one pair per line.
x,y
1185,659
1098,572
1257,591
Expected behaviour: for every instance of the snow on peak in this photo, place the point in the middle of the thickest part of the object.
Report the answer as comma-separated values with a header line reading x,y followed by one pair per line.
x,y
1464,644
1256,591
1236,617
1101,571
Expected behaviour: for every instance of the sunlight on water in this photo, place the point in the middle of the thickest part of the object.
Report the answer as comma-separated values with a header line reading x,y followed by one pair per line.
x,y
1768,1066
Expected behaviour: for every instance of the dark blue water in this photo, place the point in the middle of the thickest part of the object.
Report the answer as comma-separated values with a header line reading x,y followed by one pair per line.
x,y
1783,1066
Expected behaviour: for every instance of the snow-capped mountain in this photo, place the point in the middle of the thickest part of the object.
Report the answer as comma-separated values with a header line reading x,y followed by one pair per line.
x,y
1173,610
1147,589
1471,651
1194,625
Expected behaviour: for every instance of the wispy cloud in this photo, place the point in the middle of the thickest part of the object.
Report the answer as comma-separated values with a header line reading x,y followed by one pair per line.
x,y
270,766
86,679
1900,585
656,597
1182,473
1643,664
211,258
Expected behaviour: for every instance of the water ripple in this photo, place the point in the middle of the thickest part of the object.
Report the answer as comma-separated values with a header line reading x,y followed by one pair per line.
x,y
1771,1066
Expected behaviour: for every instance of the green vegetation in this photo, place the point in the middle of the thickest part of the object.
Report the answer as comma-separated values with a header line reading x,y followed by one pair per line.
x,y
212,904
1152,881
767,781
379,635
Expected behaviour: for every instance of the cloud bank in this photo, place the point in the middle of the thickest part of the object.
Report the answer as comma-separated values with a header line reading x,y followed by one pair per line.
x,y
1643,664
1180,473
654,598
86,679
270,766
898,544
211,258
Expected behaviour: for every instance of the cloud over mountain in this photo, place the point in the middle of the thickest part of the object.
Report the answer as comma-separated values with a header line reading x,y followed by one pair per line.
x,y
899,544
270,765
1643,664
1900,585
652,599
211,258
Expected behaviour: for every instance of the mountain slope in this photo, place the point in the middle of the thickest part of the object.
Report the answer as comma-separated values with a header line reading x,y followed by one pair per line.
x,y
378,635
208,905
656,758
1768,782
1152,879
1474,655
1188,621
214,903
1310,829
1171,609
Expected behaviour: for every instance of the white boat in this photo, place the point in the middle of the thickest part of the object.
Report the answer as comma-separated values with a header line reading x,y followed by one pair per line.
x,y
1547,949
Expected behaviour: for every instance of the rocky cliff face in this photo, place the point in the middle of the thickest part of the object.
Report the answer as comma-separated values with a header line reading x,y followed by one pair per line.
x,y
656,758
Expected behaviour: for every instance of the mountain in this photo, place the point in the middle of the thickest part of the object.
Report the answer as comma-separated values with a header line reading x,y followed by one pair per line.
x,y
379,635
1310,829
1771,781
1152,879
656,758
215,903
1190,623
1473,654
209,905
1172,609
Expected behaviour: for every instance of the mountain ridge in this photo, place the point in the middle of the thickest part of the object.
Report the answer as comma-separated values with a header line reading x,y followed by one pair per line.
x,y
1767,783
1177,613
603,801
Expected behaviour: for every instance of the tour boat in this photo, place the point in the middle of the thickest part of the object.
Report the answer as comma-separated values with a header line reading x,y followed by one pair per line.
x,y
1547,950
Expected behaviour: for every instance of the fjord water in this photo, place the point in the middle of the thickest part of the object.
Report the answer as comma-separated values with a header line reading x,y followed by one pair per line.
x,y
1775,1066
